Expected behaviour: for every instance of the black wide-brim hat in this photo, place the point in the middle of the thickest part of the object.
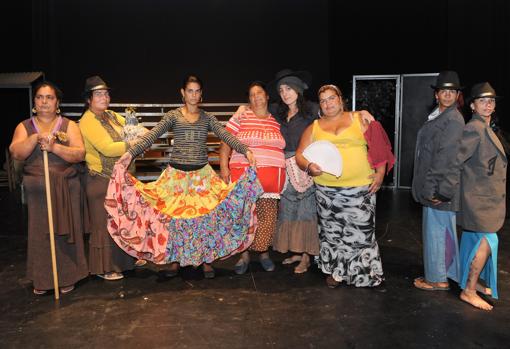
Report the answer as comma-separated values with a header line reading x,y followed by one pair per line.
x,y
482,90
447,80
94,83
303,75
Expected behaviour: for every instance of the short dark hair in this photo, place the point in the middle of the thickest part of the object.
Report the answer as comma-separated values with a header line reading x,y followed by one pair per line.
x,y
58,92
258,83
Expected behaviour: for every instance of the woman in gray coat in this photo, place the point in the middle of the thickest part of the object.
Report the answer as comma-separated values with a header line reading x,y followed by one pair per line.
x,y
482,163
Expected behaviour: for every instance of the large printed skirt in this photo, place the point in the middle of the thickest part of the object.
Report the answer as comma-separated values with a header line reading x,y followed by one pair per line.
x,y
189,217
348,249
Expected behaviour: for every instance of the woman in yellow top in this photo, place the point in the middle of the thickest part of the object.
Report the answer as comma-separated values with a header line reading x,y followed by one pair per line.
x,y
102,132
346,205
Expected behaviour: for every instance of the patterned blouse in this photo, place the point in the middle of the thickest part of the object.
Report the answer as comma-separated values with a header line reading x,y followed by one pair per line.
x,y
263,137
190,139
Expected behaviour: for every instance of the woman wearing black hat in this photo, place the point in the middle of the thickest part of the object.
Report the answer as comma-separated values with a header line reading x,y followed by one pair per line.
x,y
102,132
437,145
480,169
49,131
189,216
297,230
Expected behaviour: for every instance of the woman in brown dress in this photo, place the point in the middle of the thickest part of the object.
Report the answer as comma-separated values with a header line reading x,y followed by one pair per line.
x,y
60,137
102,132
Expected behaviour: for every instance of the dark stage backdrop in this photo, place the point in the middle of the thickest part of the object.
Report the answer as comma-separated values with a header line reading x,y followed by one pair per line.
x,y
404,37
145,48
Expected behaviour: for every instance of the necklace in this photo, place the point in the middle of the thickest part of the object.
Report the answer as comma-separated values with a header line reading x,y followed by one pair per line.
x,y
40,126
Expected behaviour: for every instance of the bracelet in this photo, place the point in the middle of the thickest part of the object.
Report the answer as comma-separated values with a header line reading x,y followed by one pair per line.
x,y
307,170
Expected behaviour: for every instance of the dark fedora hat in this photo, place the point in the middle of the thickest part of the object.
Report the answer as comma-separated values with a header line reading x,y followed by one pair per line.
x,y
94,83
304,79
447,80
482,90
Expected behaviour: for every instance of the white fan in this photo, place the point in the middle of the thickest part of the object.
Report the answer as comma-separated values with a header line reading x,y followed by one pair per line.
x,y
326,155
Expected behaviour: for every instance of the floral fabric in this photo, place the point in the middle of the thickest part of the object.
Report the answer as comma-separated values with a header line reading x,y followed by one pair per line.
x,y
187,217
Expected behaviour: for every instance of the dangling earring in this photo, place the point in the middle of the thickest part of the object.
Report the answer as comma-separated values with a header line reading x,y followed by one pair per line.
x,y
34,111
201,99
183,99
58,111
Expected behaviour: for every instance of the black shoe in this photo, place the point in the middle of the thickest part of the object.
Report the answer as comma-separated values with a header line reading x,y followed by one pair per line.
x,y
209,274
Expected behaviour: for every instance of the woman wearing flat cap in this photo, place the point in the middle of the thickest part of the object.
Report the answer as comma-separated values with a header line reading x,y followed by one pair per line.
x,y
102,132
480,169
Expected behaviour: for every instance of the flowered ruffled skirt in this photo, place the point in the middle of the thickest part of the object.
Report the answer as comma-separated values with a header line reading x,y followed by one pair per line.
x,y
189,217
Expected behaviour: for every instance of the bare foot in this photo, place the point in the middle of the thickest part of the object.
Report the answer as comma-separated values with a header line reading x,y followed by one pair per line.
x,y
483,290
423,284
475,300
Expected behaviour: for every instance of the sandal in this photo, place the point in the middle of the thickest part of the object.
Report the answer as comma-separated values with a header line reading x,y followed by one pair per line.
x,y
66,289
332,283
293,259
140,262
173,271
39,292
209,274
111,276
241,267
300,269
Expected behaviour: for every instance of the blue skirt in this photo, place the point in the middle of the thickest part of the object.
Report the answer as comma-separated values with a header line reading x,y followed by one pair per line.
x,y
469,244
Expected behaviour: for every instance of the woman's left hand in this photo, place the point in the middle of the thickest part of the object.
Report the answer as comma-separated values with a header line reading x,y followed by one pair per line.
x,y
366,117
46,142
377,182
251,158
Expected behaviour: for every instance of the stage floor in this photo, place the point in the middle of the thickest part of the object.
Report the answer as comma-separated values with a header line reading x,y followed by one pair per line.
x,y
256,310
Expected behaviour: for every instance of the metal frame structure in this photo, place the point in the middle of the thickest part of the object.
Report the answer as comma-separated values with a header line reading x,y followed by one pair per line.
x,y
398,91
399,98
401,92
21,80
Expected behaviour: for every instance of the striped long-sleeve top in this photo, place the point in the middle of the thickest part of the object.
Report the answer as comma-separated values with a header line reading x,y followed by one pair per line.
x,y
190,139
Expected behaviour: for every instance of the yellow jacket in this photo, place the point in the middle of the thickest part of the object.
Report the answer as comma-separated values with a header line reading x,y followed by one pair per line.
x,y
103,141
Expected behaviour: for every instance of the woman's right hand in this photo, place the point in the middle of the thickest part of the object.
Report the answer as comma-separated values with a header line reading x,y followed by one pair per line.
x,y
125,159
314,169
225,175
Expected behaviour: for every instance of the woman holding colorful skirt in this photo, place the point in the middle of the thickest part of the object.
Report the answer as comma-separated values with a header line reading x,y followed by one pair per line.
x,y
188,216
346,205
256,127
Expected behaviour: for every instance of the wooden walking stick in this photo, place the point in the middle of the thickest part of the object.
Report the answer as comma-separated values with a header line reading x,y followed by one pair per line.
x,y
50,223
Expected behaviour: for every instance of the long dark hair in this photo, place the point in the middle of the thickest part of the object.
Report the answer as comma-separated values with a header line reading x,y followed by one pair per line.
x,y
301,104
